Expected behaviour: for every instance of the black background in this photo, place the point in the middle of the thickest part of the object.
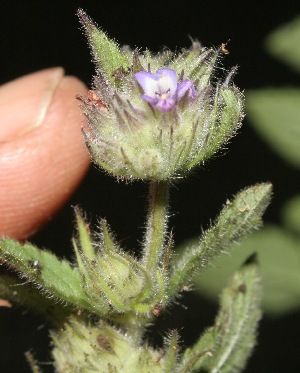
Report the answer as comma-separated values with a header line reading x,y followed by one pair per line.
x,y
39,34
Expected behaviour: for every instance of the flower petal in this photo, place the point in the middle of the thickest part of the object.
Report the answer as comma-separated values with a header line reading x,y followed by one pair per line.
x,y
167,81
162,90
148,82
183,87
166,105
151,100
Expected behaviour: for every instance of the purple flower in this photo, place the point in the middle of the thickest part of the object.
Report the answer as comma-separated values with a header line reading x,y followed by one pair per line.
x,y
162,89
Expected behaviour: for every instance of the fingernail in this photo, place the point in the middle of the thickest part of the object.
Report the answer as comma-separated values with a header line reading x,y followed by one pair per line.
x,y
24,102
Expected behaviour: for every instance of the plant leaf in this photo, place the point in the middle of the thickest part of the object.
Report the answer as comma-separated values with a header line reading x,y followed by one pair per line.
x,y
237,219
26,295
275,114
279,258
291,214
51,275
232,338
283,43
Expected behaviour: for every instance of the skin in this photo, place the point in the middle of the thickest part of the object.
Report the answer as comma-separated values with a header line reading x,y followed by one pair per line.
x,y
43,157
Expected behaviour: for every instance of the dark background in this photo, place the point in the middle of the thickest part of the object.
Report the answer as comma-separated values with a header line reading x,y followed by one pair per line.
x,y
39,34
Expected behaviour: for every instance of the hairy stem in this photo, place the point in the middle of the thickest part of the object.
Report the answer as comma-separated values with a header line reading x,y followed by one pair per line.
x,y
156,223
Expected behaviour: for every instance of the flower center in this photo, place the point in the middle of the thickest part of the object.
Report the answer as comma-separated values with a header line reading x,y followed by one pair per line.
x,y
163,96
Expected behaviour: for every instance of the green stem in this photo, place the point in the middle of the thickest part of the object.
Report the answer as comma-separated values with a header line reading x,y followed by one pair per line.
x,y
156,224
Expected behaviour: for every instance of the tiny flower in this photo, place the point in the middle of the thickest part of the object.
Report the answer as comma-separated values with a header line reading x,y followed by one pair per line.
x,y
162,89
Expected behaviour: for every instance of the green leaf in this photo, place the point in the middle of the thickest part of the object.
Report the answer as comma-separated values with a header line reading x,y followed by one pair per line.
x,y
51,275
194,357
237,219
25,295
107,54
275,114
279,259
284,43
232,338
291,214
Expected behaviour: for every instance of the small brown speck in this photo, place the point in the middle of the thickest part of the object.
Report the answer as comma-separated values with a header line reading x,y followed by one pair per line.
x,y
223,48
35,265
244,208
242,288
157,309
104,343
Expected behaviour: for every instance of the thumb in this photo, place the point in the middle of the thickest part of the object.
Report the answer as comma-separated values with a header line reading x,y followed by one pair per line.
x,y
42,153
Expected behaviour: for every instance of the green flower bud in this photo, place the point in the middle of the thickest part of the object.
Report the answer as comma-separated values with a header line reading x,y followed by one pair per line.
x,y
102,348
155,117
115,284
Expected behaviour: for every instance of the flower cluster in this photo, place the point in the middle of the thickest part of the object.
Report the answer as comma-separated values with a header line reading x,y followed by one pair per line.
x,y
155,117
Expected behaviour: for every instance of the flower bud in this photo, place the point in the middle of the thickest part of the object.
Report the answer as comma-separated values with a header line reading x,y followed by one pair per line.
x,y
155,117
101,348
115,283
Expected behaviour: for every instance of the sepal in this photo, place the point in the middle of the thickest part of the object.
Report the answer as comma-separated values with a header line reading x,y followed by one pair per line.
x,y
171,353
107,54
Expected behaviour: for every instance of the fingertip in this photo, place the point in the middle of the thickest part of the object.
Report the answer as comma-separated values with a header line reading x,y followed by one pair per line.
x,y
42,168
